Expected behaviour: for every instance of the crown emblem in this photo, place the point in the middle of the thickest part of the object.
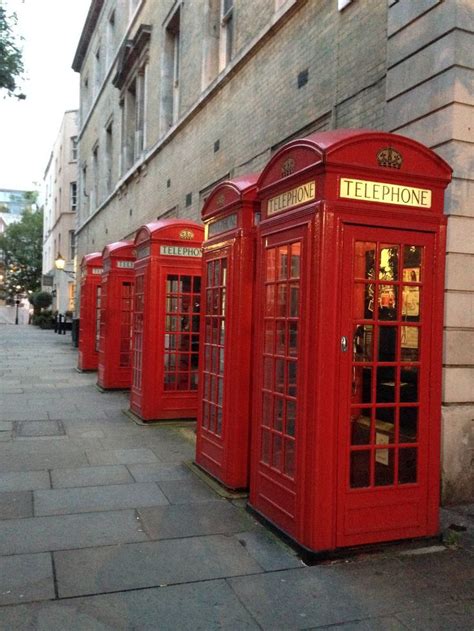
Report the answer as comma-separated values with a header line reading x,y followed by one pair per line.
x,y
288,167
220,201
388,157
186,235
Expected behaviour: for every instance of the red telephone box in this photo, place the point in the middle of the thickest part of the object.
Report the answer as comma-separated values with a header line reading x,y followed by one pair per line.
x,y
165,335
228,275
91,276
116,303
347,397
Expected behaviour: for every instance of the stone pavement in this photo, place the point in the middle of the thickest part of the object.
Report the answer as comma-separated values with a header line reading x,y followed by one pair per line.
x,y
103,527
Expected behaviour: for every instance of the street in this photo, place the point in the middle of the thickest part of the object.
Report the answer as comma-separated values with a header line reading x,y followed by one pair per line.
x,y
104,526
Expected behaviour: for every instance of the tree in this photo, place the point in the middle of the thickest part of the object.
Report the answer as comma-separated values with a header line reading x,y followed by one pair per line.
x,y
11,58
22,244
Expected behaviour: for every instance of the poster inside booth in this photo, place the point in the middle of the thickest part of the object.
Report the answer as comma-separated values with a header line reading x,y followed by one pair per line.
x,y
347,382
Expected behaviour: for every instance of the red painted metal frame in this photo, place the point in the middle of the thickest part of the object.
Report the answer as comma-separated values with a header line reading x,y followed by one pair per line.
x,y
223,434
118,279
91,276
316,507
148,397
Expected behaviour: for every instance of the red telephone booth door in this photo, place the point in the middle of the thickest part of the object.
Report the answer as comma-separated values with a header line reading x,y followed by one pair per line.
x,y
387,446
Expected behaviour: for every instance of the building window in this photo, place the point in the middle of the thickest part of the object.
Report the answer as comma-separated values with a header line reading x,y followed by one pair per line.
x,y
73,196
98,71
72,245
227,33
84,193
211,39
170,72
110,48
95,177
109,148
131,79
73,148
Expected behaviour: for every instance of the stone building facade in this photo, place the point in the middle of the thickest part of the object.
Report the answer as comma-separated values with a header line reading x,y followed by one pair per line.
x,y
59,199
177,95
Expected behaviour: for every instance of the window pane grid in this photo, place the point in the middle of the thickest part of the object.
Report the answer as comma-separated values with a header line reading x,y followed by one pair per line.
x,y
280,357
97,317
138,331
214,346
181,337
126,301
387,332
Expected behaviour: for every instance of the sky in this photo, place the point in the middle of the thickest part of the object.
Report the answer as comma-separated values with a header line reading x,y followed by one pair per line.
x,y
28,129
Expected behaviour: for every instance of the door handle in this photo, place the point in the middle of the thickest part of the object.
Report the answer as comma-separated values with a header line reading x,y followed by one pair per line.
x,y
344,344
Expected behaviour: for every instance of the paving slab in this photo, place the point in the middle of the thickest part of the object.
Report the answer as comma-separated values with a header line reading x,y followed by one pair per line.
x,y
189,520
159,472
187,491
269,551
26,577
39,428
448,617
164,609
6,426
91,476
97,498
65,532
32,461
16,504
120,456
150,564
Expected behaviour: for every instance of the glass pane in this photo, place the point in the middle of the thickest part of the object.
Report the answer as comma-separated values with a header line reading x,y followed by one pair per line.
x,y
385,389
195,324
170,381
280,337
363,343
409,344
217,273
194,380
364,260
292,338
278,419
268,373
268,343
171,283
171,305
411,303
364,300
407,465
220,390
408,424
219,421
361,385
277,451
387,344
412,263
384,467
409,385
360,428
184,342
186,284
197,284
290,417
221,361
295,260
280,375
222,333
282,262
289,464
292,373
266,446
388,300
384,426
360,469
388,262
270,300
271,258
294,301
282,300
267,415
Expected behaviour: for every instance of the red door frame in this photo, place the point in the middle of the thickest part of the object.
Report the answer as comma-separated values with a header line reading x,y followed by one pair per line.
x,y
223,431
91,276
303,185
118,278
156,246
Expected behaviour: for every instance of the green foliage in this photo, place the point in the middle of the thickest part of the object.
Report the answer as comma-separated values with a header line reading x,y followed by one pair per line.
x,y
11,59
41,299
22,245
44,320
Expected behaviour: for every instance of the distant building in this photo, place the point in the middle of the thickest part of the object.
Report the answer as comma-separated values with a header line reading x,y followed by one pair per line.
x,y
13,201
176,96
59,195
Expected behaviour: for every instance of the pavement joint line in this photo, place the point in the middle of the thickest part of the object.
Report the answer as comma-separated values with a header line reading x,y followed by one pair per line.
x,y
55,577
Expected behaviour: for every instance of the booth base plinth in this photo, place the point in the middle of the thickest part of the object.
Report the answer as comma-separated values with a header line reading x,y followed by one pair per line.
x,y
118,389
175,422
214,484
315,557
